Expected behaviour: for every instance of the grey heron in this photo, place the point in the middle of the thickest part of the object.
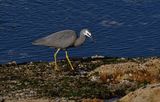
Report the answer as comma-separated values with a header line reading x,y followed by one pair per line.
x,y
63,40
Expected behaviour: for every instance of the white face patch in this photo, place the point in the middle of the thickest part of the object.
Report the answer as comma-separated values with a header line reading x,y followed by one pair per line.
x,y
87,33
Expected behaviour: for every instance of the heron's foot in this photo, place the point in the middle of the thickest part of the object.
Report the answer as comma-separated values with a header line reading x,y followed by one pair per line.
x,y
72,68
56,67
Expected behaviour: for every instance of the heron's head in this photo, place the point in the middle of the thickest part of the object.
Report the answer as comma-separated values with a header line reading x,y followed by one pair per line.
x,y
86,33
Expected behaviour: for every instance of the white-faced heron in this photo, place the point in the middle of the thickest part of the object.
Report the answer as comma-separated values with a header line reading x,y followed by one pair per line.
x,y
63,40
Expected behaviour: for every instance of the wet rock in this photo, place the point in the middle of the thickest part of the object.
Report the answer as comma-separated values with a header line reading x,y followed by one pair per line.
x,y
151,93
12,63
97,56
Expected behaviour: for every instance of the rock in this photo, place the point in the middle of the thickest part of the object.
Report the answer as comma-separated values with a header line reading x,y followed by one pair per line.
x,y
92,100
151,93
12,63
147,72
2,99
40,100
97,56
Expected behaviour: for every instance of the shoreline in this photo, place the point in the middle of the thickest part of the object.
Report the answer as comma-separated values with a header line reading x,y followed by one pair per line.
x,y
93,78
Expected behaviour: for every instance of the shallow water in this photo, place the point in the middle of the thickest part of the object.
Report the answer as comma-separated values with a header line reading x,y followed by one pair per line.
x,y
123,28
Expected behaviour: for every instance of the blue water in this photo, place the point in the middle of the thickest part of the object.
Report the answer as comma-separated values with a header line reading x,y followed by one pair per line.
x,y
121,28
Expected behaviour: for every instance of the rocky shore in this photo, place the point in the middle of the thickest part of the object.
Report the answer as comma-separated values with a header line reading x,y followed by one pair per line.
x,y
95,79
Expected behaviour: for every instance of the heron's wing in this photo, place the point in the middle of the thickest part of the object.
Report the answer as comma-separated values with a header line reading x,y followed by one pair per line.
x,y
61,39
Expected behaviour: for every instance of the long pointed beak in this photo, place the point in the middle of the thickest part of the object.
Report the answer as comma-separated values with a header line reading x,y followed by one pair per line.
x,y
93,40
90,36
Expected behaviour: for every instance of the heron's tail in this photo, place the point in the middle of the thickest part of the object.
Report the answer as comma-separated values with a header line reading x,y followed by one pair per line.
x,y
38,42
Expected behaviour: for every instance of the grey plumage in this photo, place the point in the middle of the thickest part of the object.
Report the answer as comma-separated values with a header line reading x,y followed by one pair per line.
x,y
62,39
79,41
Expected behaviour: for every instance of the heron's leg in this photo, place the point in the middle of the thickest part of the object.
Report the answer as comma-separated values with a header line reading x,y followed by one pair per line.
x,y
67,57
55,59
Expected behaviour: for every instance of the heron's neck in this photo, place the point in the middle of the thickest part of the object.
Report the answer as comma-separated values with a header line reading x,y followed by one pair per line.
x,y
80,40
